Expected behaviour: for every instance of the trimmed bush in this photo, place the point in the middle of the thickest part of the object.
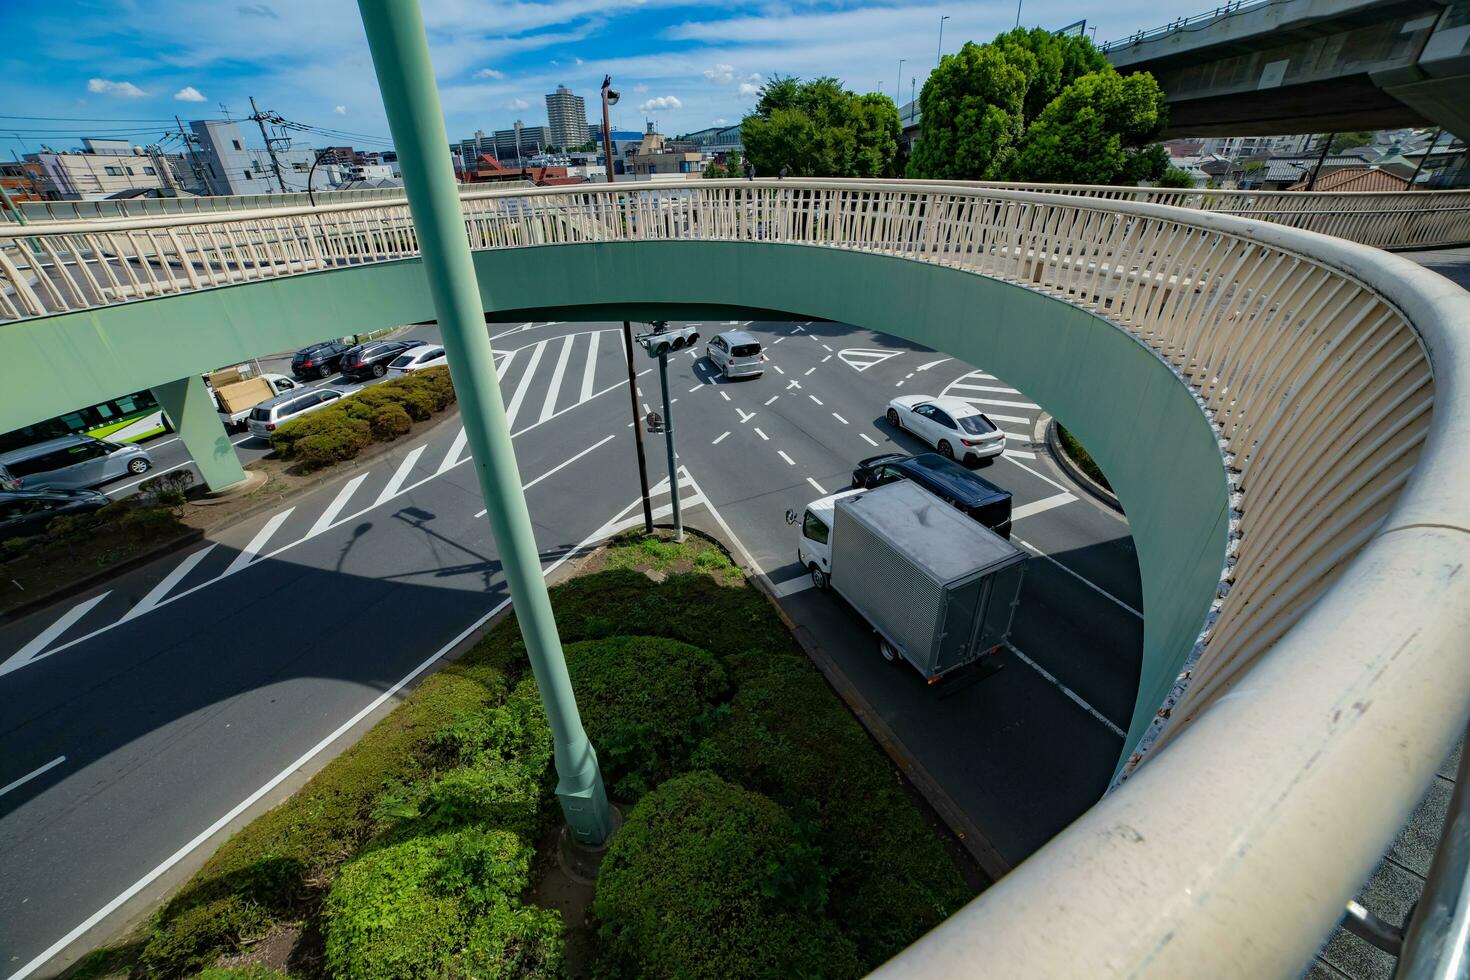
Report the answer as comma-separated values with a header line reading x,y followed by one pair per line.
x,y
707,879
646,701
390,422
419,907
339,439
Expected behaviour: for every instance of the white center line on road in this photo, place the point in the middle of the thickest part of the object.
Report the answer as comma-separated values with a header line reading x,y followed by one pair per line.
x,y
50,634
827,358
252,550
451,458
395,483
548,407
868,439
559,467
789,460
719,438
820,489
839,418
514,408
744,415
32,775
338,502
689,392
725,395
808,372
1073,695
772,398
764,437
163,588
798,329
590,370
1091,585
826,348
778,368
777,341
1041,506
815,399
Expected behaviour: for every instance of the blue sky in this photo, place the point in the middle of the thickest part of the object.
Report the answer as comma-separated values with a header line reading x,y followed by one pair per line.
x,y
121,67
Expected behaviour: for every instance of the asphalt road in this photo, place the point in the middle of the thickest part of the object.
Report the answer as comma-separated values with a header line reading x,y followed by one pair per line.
x,y
138,716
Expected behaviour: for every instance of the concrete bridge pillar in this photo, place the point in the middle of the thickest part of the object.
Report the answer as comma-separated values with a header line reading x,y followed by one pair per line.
x,y
195,418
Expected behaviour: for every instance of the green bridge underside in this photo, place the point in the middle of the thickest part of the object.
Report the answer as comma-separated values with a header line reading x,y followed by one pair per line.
x,y
1135,416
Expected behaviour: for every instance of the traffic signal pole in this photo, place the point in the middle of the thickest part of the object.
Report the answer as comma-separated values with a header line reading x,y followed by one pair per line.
x,y
663,380
400,50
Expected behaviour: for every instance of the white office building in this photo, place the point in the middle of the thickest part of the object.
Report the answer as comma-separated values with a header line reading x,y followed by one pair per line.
x,y
232,166
567,114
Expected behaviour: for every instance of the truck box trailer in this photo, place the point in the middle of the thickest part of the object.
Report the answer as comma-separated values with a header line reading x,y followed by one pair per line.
x,y
939,588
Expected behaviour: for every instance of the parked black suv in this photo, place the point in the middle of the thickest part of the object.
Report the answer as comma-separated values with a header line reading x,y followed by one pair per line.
x,y
371,360
974,495
24,512
318,360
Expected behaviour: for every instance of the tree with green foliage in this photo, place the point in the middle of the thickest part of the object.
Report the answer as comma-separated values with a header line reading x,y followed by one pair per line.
x,y
1346,141
715,170
1034,106
818,128
1175,177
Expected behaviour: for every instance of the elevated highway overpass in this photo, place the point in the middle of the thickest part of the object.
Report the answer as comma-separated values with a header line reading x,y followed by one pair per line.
x,y
1309,66
1285,413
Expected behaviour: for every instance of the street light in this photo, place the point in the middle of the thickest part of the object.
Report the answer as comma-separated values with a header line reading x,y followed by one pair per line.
x,y
898,84
939,55
610,97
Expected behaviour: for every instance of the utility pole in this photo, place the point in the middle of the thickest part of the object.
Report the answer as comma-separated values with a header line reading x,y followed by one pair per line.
x,y
898,83
939,55
663,381
610,97
261,118
1326,145
1427,150
193,156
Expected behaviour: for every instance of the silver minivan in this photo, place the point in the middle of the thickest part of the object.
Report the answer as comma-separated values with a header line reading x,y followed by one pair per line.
x,y
265,417
73,463
736,354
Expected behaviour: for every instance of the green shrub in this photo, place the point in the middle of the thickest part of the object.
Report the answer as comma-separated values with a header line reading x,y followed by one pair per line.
x,y
150,521
390,422
515,731
197,935
252,972
14,546
707,879
345,439
437,382
646,702
418,907
1081,457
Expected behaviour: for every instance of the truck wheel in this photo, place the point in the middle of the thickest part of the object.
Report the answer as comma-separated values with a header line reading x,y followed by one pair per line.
x,y
888,651
820,578
893,419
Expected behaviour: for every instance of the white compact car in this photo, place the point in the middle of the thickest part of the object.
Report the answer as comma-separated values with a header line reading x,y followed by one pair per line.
x,y
417,359
951,425
736,354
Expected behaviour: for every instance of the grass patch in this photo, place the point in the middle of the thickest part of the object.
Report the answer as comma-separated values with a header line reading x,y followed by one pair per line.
x,y
1081,457
410,855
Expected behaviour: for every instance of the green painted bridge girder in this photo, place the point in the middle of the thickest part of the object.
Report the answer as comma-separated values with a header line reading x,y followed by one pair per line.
x,y
1137,418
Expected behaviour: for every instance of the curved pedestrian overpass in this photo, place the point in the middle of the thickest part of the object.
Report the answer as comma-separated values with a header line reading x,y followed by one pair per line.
x,y
1282,413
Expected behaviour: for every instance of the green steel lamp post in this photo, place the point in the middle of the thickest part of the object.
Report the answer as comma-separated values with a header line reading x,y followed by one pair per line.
x,y
400,50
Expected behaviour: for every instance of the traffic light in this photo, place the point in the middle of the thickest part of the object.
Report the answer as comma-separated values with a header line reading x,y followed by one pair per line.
x,y
664,341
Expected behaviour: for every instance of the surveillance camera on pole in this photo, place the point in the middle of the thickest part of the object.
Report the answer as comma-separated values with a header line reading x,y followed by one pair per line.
x,y
660,342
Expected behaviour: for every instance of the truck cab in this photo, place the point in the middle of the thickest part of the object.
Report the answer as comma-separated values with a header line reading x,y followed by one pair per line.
x,y
814,546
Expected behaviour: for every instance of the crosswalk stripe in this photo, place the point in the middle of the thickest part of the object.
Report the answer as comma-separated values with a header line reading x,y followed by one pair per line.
x,y
252,550
514,407
995,388
451,458
552,390
395,483
50,634
590,370
1021,453
1041,506
997,401
163,588
1017,419
335,507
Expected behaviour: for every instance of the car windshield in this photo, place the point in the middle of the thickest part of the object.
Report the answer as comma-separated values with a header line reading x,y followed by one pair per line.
x,y
746,350
975,425
403,360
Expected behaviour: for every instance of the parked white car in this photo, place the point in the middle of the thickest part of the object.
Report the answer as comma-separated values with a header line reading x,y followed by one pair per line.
x,y
736,354
417,359
951,425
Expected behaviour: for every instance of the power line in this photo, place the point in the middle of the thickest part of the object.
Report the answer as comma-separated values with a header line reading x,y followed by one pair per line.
x,y
83,119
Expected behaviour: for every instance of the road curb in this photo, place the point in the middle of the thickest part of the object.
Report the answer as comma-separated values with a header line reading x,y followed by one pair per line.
x,y
71,589
1064,462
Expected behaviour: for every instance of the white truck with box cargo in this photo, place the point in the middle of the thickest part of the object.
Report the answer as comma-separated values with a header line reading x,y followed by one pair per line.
x,y
939,588
234,399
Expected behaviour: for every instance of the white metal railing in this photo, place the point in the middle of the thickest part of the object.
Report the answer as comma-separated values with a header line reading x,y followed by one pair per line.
x,y
1332,672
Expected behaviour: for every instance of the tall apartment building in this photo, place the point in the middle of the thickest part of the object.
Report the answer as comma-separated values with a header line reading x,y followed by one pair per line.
x,y
521,142
567,114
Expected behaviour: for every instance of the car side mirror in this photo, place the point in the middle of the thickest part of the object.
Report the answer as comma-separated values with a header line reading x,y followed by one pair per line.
x,y
791,517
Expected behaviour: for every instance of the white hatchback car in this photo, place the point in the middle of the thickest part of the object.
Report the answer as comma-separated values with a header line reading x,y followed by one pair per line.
x,y
417,359
736,354
951,425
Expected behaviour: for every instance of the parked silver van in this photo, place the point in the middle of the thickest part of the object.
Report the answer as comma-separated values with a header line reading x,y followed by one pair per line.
x,y
268,414
73,463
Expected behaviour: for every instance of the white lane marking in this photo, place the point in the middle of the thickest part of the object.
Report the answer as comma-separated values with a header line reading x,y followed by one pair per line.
x,y
772,398
819,488
720,438
1044,479
725,395
1087,582
789,460
827,358
396,481
163,588
1017,419
252,550
1073,695
925,367
899,382
451,458
1015,436
764,437
151,475
324,521
778,368
808,372
744,415
865,437
999,389
839,418
548,407
827,349
1041,506
14,784
815,399
590,370
798,329
506,333
862,358
1022,453
36,648
689,392
514,407
559,467
997,401
777,341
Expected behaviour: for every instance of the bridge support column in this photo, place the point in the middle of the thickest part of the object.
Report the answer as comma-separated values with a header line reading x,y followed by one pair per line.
x,y
194,416
400,49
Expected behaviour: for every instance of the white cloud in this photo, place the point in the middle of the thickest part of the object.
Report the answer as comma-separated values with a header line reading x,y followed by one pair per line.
x,y
518,105
640,88
189,94
489,73
749,88
721,74
756,77
662,102
103,86
721,122
340,110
